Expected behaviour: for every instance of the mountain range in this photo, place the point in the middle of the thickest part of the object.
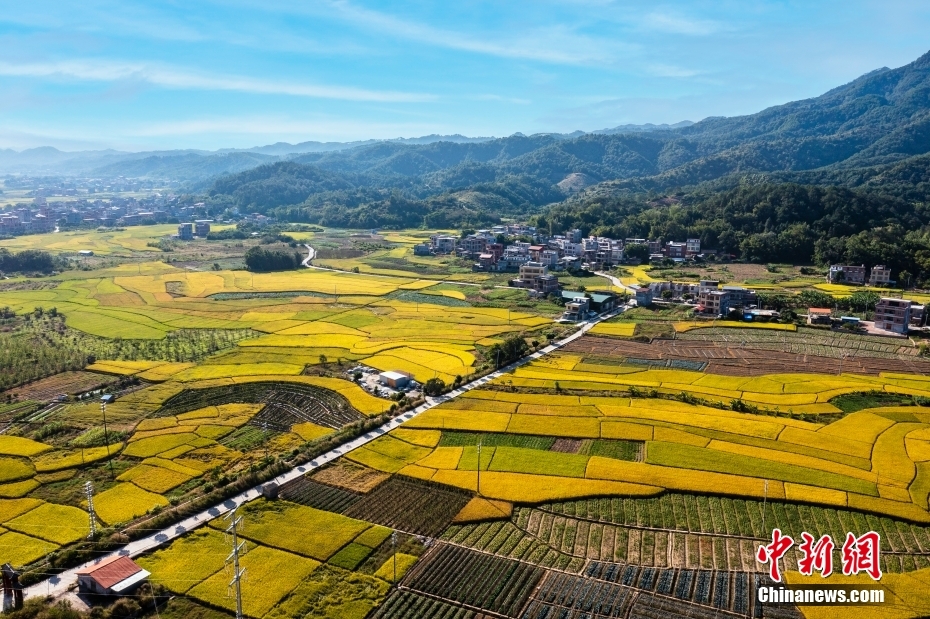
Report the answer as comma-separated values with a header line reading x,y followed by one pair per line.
x,y
191,164
866,143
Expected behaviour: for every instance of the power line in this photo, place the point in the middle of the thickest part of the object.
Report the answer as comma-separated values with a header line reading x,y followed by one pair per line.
x,y
237,548
89,491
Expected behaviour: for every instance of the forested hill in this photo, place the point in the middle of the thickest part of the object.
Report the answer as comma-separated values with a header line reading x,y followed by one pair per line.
x,y
785,223
870,137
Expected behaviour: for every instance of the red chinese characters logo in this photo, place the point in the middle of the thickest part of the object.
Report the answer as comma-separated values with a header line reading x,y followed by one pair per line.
x,y
861,554
817,555
771,553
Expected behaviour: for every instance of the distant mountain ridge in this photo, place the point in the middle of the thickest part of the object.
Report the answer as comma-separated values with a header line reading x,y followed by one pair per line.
x,y
170,164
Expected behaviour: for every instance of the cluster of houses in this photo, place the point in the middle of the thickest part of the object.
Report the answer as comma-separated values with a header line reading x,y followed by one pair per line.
x,y
708,296
559,252
200,228
891,314
879,275
43,216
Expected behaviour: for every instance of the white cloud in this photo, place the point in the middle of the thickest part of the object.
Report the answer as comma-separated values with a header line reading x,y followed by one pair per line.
x,y
675,23
168,77
556,44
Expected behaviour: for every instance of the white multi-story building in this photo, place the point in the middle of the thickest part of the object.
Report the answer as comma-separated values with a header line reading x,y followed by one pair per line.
x,y
880,275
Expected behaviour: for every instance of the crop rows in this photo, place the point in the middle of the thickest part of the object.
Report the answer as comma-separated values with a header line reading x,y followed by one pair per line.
x,y
905,546
474,579
408,605
247,437
411,505
505,539
318,496
69,383
609,590
680,531
285,404
675,364
566,544
750,356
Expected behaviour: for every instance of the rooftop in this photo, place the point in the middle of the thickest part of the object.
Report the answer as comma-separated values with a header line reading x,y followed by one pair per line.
x,y
393,375
112,571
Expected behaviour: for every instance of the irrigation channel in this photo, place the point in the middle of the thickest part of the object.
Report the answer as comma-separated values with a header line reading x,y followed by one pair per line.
x,y
58,584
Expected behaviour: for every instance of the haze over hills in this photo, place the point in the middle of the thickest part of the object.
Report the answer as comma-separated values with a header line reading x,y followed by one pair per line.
x,y
174,164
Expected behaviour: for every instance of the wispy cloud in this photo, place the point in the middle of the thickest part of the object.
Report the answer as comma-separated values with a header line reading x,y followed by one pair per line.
x,y
167,77
677,23
556,44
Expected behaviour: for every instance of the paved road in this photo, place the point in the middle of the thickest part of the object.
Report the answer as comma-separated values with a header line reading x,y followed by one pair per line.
x,y
59,584
616,282
311,254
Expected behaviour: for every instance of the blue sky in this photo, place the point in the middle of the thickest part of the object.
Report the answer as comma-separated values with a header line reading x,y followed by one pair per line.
x,y
239,73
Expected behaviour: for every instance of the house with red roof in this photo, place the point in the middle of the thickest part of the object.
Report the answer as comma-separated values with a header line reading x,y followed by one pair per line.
x,y
111,576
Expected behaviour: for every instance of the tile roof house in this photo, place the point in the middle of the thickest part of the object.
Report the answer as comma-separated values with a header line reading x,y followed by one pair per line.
x,y
112,576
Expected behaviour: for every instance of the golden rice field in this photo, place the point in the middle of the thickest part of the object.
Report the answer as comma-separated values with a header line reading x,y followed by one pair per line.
x,y
340,316
873,460
285,545
796,392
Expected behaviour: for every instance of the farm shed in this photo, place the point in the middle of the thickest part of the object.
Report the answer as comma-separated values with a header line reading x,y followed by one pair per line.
x,y
395,380
818,316
112,576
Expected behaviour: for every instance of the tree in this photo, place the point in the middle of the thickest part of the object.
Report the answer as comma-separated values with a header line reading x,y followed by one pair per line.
x,y
512,348
861,300
636,251
434,386
261,259
815,298
323,359
667,294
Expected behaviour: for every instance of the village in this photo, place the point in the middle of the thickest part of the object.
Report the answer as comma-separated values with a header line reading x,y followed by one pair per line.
x,y
536,258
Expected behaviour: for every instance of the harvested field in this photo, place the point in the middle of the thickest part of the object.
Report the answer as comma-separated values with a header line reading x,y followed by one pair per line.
x,y
411,505
350,476
728,357
70,383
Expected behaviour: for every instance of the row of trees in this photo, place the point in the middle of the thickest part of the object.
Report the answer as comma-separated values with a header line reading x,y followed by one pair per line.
x,y
859,301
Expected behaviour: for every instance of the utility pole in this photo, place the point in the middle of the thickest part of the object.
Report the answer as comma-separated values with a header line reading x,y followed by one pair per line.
x,y
106,437
394,551
89,493
237,549
765,497
478,487
265,430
